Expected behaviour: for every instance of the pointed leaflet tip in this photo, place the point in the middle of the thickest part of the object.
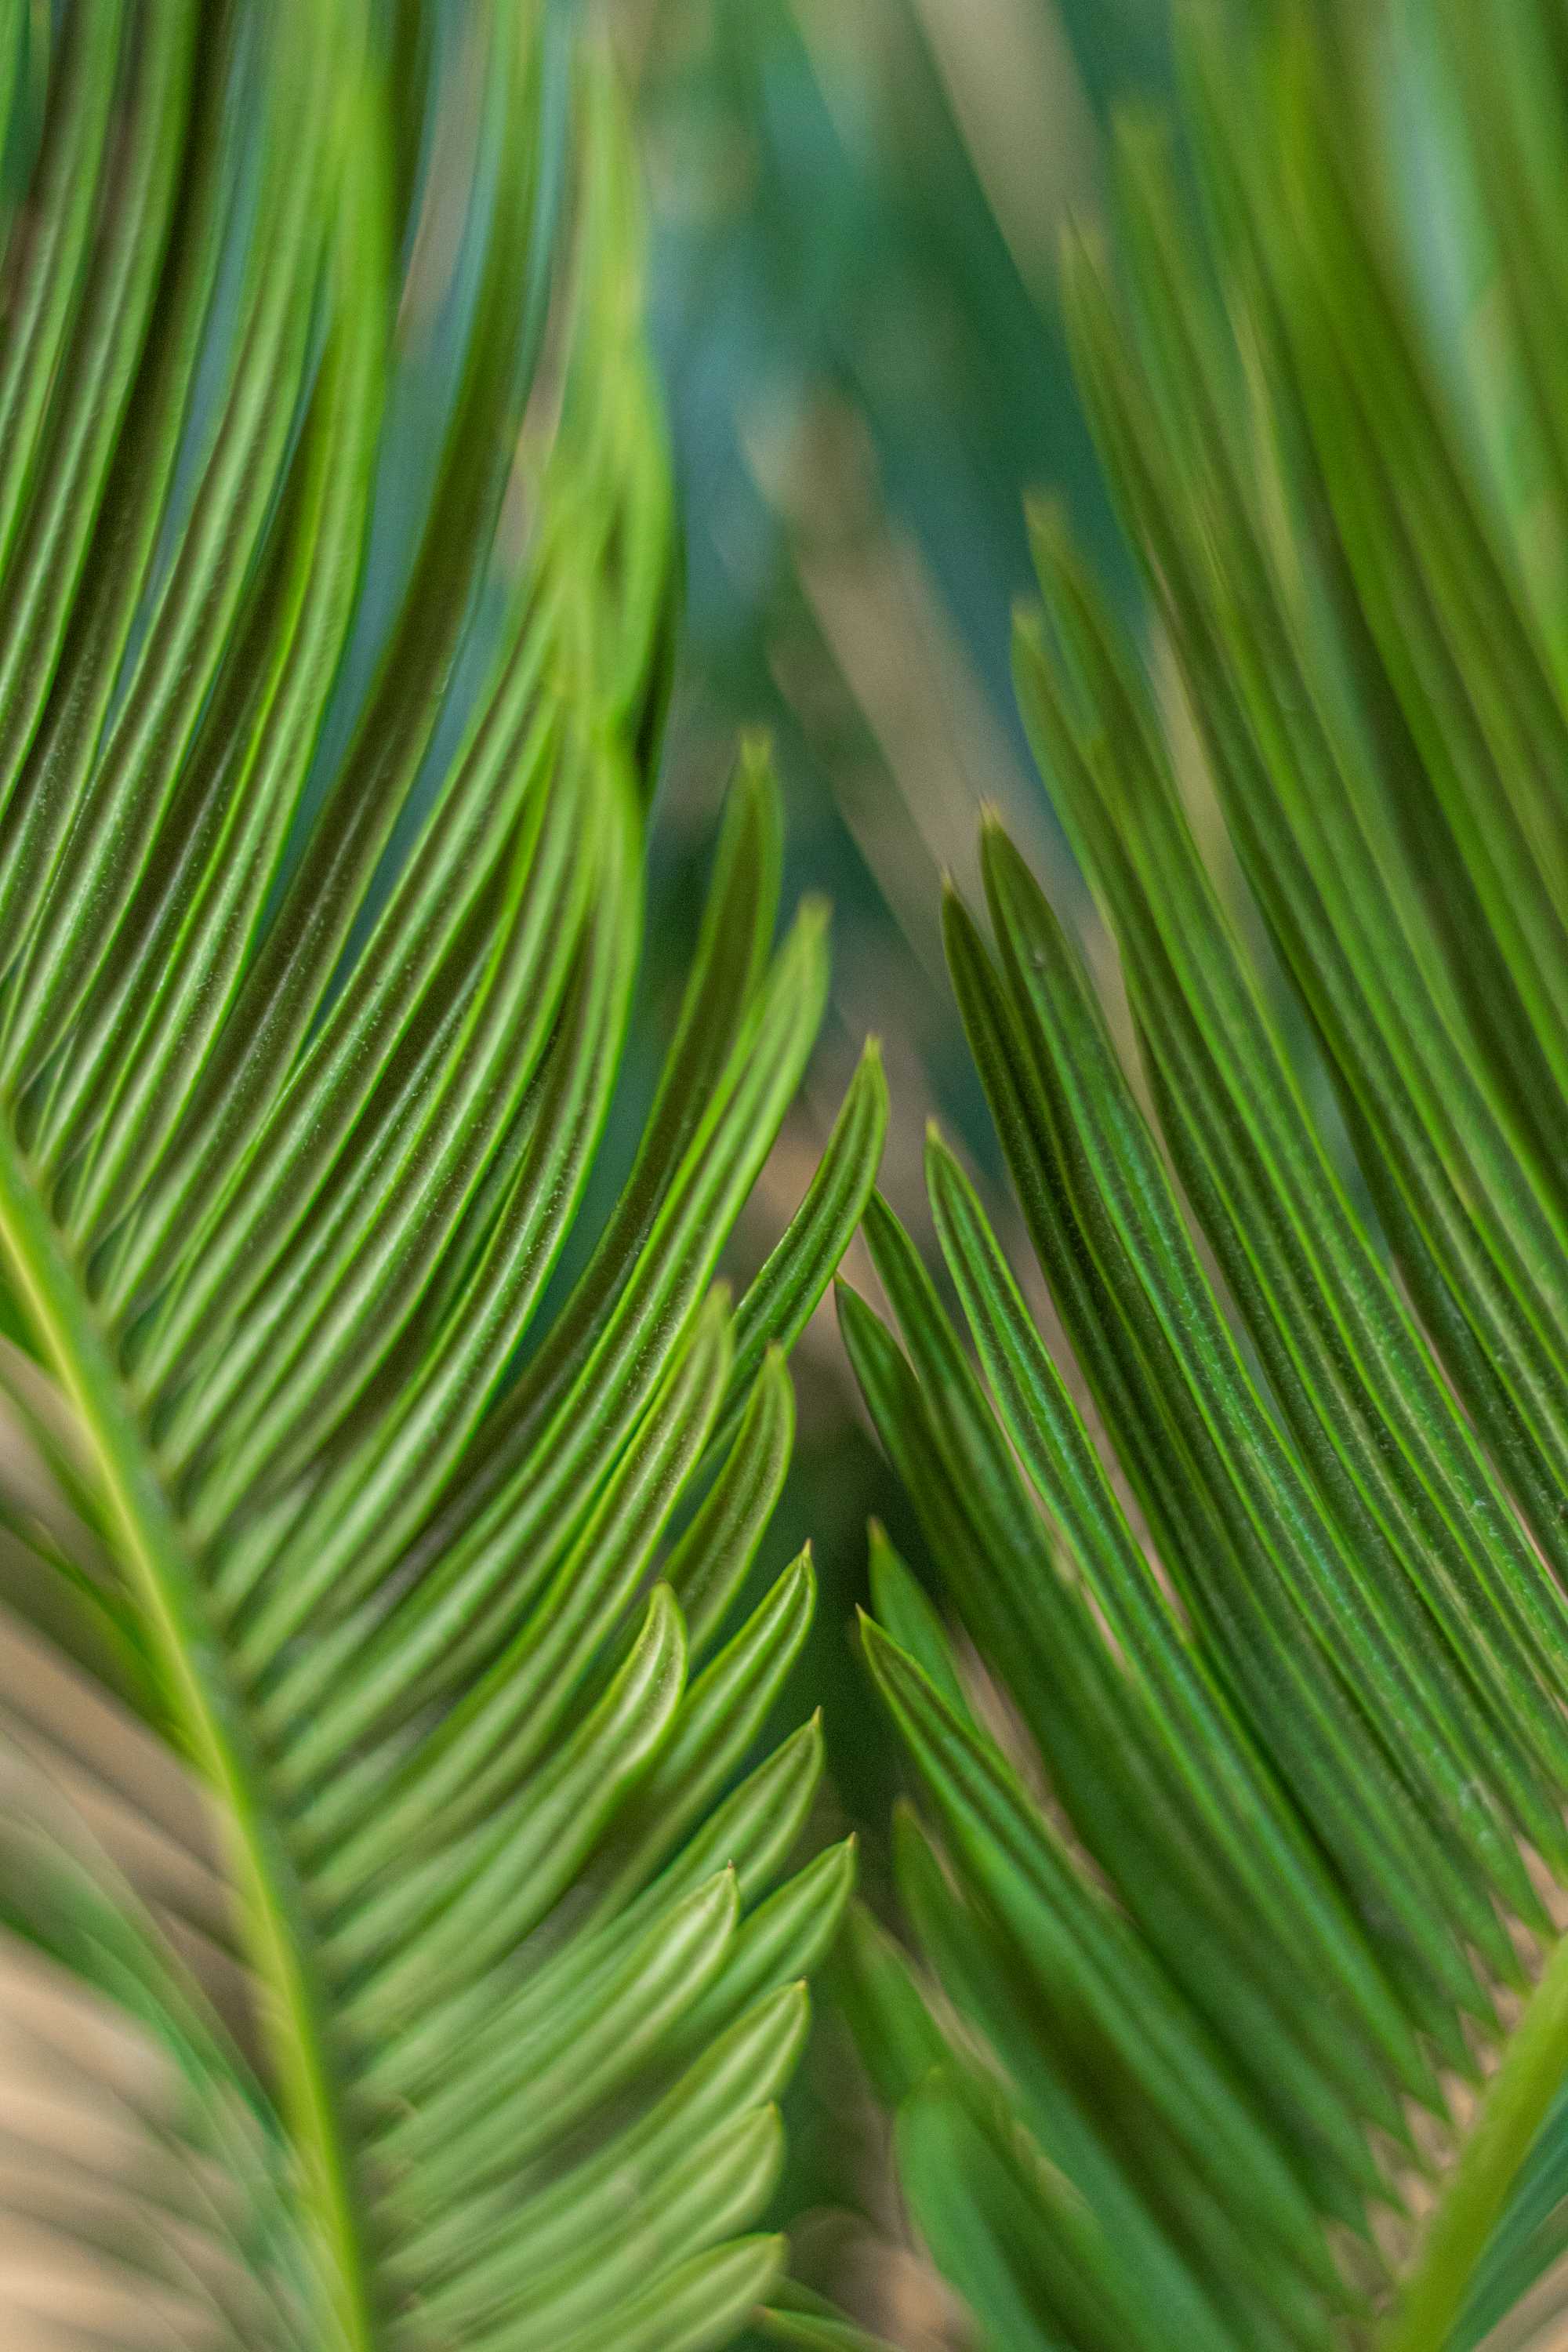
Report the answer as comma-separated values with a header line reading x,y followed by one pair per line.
x,y
805,950
834,1869
1050,541
662,1614
884,1235
1140,133
754,757
884,1658
754,797
875,1639
1081,245
856,1316
902,1678
800,1577
1000,858
870,1080
961,937
1043,509
653,1674
1027,646
714,1900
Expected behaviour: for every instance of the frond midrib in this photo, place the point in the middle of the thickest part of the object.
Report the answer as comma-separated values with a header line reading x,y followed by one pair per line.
x,y
296,2009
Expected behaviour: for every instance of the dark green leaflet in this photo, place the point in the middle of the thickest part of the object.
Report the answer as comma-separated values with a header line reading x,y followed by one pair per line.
x,y
1293,1760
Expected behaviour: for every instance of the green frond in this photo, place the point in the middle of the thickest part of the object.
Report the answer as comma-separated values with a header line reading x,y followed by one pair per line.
x,y
382,1636
1240,1893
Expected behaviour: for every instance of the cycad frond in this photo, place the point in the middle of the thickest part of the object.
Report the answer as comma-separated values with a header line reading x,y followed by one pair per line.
x,y
1258,1995
319,921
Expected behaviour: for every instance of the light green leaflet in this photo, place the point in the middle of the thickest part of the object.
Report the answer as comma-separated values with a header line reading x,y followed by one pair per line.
x,y
320,924
1217,2015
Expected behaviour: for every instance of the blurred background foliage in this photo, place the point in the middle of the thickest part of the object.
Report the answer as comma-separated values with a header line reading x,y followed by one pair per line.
x,y
855,218
854,207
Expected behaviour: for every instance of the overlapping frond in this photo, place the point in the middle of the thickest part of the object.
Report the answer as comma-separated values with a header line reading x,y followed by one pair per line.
x,y
320,904
1242,1878
144,2183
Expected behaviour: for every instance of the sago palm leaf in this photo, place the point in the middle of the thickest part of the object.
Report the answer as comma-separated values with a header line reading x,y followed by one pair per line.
x,y
319,908
1241,1871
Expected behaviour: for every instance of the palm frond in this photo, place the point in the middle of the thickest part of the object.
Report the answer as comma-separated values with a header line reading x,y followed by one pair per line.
x,y
1242,1887
320,904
